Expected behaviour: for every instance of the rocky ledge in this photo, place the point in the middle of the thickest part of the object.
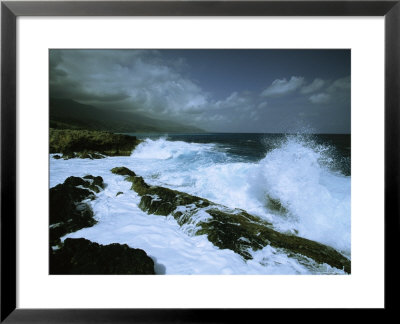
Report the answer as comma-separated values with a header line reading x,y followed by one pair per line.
x,y
227,228
69,208
81,256
87,144
69,212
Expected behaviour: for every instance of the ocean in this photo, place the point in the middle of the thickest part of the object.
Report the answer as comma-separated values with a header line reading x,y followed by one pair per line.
x,y
310,176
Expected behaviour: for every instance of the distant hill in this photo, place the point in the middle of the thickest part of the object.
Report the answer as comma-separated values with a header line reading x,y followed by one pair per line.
x,y
69,114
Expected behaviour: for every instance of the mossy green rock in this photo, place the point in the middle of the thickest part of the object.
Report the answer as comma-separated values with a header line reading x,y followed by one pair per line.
x,y
84,144
88,155
138,185
233,229
229,228
81,256
68,211
275,205
163,201
123,171
241,231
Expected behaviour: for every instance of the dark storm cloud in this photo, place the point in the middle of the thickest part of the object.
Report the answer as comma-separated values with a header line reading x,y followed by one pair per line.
x,y
176,85
141,78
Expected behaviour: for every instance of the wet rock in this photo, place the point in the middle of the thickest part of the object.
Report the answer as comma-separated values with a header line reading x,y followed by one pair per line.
x,y
233,229
81,256
96,184
69,210
123,171
229,228
83,155
138,185
85,144
275,205
163,201
88,155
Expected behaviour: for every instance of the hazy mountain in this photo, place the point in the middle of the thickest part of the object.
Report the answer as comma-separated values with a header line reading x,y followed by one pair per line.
x,y
66,113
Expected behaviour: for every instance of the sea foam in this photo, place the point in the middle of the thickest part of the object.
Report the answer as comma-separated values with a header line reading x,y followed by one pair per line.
x,y
296,174
316,202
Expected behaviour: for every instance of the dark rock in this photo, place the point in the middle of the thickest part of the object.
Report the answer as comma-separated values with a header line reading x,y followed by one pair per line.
x,y
235,230
97,183
163,201
81,256
82,155
68,212
275,205
241,232
228,228
57,157
90,182
96,156
119,193
123,171
138,185
73,143
88,155
69,155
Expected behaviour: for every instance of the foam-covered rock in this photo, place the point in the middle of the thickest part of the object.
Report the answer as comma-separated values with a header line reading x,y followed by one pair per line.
x,y
69,210
229,228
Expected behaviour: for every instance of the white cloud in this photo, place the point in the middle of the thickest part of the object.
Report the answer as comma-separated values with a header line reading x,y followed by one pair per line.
x,y
332,91
320,98
233,100
313,86
243,101
342,84
282,86
262,105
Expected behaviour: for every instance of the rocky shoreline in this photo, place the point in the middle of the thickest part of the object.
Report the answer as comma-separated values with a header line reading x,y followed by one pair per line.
x,y
69,212
87,144
69,208
227,228
81,256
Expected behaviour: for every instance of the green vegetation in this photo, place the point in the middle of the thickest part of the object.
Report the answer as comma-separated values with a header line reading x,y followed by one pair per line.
x,y
228,228
90,144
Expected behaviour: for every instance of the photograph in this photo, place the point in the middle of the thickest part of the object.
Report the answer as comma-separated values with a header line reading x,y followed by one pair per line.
x,y
199,161
229,149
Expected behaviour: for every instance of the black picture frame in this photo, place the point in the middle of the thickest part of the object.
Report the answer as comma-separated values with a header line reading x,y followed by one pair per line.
x,y
10,10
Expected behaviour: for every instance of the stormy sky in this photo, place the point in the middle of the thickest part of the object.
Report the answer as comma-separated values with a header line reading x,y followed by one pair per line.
x,y
263,91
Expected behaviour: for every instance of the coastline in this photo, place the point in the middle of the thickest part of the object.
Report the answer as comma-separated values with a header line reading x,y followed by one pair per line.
x,y
123,193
